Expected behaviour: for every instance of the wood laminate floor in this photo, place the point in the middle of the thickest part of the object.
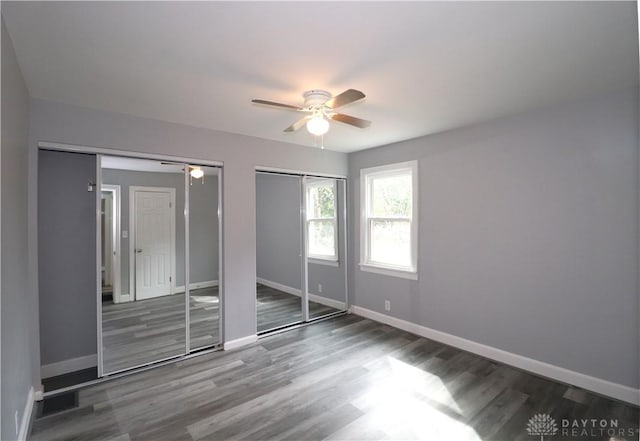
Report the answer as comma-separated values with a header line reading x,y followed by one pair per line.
x,y
347,378
136,333
277,308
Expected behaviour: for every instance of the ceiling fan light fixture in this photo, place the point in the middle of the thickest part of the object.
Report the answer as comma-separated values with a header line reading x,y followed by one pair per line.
x,y
318,125
196,172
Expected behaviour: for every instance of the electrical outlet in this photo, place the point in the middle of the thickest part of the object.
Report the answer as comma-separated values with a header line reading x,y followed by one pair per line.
x,y
319,287
15,417
387,305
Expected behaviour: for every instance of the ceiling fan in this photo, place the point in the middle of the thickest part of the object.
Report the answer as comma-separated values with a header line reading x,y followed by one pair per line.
x,y
194,170
321,107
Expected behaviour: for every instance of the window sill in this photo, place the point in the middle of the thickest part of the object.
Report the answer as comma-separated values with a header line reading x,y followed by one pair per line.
x,y
333,263
404,274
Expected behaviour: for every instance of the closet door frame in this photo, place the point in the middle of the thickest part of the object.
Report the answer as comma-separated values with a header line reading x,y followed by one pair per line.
x,y
304,259
97,189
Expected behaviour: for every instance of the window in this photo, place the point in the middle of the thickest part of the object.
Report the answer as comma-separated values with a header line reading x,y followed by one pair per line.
x,y
389,228
321,220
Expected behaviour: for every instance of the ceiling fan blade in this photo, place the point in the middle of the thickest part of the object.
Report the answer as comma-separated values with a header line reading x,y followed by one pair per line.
x,y
274,104
346,97
351,120
297,125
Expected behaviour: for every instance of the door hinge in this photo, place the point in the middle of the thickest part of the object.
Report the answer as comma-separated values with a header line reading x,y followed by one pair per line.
x,y
169,204
169,278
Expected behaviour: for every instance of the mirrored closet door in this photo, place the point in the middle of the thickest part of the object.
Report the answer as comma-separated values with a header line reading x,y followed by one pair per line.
x,y
301,249
278,251
143,307
203,258
325,236
160,250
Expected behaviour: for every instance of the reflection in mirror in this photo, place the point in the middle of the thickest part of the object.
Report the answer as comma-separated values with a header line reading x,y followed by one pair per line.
x,y
204,300
278,251
325,246
143,262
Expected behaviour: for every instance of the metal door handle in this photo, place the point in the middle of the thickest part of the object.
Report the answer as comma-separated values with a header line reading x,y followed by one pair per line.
x,y
138,250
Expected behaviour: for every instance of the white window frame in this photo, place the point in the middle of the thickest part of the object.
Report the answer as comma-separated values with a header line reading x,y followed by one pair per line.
x,y
367,175
319,258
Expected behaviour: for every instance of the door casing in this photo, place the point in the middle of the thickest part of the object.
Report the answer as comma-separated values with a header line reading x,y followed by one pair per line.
x,y
115,237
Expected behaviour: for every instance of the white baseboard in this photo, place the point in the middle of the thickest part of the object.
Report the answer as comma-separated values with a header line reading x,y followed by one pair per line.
x,y
122,298
70,365
326,301
197,285
240,342
296,292
279,286
26,415
597,385
39,395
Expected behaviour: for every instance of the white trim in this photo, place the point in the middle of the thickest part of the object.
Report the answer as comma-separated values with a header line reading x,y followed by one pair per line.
x,y
132,234
26,415
326,301
117,220
45,145
308,184
265,169
280,287
70,365
597,385
296,292
326,262
126,297
197,285
240,342
365,193
39,395
405,274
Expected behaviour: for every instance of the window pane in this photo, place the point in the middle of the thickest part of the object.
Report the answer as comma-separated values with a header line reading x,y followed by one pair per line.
x,y
391,242
391,196
321,201
322,238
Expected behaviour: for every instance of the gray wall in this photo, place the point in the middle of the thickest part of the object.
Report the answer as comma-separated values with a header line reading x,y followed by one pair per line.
x,y
56,122
204,202
527,235
278,229
19,330
203,230
67,256
278,238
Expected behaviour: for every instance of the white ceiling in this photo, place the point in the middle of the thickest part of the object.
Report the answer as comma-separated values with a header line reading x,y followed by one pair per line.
x,y
425,67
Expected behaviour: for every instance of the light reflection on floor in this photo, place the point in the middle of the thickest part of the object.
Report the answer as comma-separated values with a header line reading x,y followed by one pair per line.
x,y
205,299
404,404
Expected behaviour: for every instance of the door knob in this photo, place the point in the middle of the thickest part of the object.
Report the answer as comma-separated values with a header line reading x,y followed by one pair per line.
x,y
138,250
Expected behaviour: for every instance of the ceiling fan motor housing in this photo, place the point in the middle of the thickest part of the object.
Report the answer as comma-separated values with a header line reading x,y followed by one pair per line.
x,y
315,98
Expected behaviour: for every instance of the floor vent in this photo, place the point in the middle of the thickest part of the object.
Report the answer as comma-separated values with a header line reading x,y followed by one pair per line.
x,y
58,403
